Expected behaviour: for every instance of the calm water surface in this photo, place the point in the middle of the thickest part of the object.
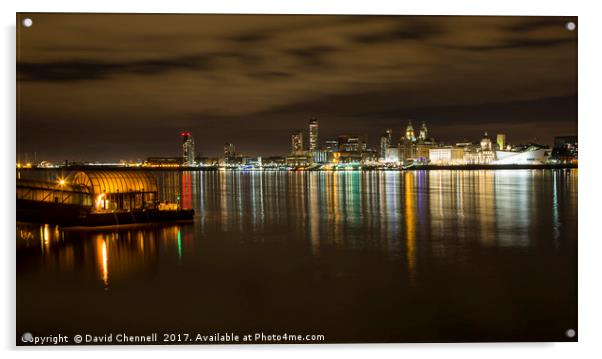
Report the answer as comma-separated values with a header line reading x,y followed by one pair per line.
x,y
356,256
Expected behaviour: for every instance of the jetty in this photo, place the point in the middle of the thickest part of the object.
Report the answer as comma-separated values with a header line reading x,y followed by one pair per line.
x,y
96,198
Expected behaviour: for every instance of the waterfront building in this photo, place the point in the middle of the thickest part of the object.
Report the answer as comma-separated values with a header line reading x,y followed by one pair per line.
x,y
298,160
313,134
369,156
532,155
409,133
385,143
501,141
332,145
565,149
422,151
321,156
297,143
118,191
187,149
273,161
355,144
252,161
423,134
347,157
207,161
166,162
447,155
342,142
229,151
406,149
392,155
480,155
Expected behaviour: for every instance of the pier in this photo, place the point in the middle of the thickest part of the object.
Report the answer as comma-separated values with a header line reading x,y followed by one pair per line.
x,y
96,198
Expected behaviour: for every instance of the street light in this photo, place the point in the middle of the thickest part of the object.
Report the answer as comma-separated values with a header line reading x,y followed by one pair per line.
x,y
62,183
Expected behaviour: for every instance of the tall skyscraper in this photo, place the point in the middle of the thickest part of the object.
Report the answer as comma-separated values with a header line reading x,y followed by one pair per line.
x,y
501,141
187,148
423,134
313,134
297,143
229,151
385,143
410,132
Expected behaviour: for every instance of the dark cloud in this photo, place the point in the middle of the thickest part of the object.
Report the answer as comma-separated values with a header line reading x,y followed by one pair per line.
x,y
84,70
269,75
517,43
313,56
250,38
533,23
400,31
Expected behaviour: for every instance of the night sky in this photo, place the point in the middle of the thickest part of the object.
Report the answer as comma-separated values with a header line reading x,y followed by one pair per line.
x,y
109,87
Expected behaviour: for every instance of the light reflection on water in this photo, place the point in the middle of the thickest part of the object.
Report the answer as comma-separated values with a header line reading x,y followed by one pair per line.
x,y
332,224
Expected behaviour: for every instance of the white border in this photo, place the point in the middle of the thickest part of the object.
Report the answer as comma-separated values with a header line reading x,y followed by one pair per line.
x,y
590,247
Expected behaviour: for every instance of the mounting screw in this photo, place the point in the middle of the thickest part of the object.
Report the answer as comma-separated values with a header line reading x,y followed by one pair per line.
x,y
571,26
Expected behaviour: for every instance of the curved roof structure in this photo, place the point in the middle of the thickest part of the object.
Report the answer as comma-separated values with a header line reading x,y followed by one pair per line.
x,y
116,181
45,185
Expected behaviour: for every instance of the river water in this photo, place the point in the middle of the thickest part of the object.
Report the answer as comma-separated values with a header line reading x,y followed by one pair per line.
x,y
355,256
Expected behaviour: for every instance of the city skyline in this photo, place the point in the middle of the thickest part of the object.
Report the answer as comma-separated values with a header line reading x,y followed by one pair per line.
x,y
252,80
303,143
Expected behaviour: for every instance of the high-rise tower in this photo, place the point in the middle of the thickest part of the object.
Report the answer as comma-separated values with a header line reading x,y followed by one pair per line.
x,y
313,134
229,151
187,149
385,143
297,143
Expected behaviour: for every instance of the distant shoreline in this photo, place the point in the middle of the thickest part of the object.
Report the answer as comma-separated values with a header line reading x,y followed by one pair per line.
x,y
363,168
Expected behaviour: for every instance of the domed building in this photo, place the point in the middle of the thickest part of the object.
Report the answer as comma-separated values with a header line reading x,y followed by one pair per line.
x,y
486,155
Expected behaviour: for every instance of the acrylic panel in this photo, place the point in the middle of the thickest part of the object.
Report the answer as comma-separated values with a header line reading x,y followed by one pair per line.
x,y
308,179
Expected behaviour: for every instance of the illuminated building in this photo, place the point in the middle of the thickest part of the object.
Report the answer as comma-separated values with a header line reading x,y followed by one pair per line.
x,y
187,149
406,149
229,151
207,161
119,191
321,156
409,134
297,143
532,155
566,149
332,145
423,134
480,155
422,151
446,156
385,143
392,155
486,155
355,144
163,162
298,160
313,134
486,143
501,141
253,161
273,161
347,157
